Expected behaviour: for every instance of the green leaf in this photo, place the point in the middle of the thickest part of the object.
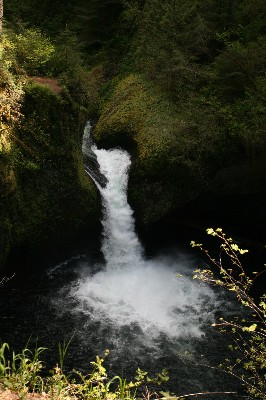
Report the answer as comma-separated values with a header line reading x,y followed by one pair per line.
x,y
251,328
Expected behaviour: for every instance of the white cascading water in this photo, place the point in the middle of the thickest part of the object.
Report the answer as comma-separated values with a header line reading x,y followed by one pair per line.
x,y
121,247
131,291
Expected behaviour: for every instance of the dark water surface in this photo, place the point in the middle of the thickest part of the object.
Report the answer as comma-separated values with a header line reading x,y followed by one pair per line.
x,y
38,306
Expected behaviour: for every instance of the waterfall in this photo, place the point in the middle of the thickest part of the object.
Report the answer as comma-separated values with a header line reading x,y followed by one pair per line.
x,y
130,292
121,247
137,308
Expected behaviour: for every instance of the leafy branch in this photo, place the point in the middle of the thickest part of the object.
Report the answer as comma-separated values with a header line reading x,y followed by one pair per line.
x,y
249,334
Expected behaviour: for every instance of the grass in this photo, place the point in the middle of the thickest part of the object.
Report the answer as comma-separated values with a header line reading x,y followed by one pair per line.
x,y
23,374
22,377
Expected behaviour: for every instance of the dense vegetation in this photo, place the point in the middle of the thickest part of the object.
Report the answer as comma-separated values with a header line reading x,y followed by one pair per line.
x,y
180,83
188,93
22,373
45,194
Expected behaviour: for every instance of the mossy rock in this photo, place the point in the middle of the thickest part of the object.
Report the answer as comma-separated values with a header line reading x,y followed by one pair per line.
x,y
64,196
52,198
140,118
179,151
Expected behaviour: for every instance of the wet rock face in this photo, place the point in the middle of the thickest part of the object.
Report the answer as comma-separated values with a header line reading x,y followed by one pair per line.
x,y
93,169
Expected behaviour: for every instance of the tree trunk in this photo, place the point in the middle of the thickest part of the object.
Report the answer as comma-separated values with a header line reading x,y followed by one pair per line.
x,y
1,15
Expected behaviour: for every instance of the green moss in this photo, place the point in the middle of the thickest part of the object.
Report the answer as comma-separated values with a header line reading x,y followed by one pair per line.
x,y
52,198
139,116
126,111
63,197
178,147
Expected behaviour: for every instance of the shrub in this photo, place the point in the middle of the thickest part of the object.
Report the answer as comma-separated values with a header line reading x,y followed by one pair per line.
x,y
22,373
33,51
249,334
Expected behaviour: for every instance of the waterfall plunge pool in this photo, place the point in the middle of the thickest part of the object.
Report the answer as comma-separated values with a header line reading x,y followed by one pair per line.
x,y
137,308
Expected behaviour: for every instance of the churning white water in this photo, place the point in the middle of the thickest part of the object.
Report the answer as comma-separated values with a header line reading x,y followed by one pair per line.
x,y
121,247
129,291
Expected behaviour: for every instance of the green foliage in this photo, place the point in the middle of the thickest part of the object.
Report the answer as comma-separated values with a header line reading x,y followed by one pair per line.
x,y
177,146
156,47
67,56
240,67
197,105
249,334
67,64
50,16
46,150
253,16
62,349
245,121
40,142
7,53
173,38
33,50
22,373
11,85
95,81
40,136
